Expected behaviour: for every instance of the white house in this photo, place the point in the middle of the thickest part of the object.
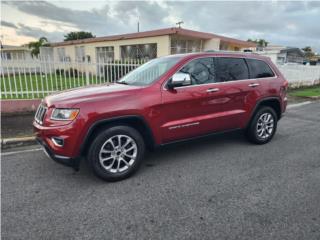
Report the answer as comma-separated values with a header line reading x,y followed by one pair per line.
x,y
283,55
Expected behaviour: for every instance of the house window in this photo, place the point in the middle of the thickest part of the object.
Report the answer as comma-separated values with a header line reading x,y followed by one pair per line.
x,y
185,46
46,53
9,56
104,54
223,46
80,54
140,51
61,54
6,56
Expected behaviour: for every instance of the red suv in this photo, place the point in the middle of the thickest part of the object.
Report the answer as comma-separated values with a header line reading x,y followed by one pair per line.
x,y
166,100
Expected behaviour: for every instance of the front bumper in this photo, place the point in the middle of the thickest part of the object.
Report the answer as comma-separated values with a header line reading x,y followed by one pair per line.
x,y
67,161
66,154
69,134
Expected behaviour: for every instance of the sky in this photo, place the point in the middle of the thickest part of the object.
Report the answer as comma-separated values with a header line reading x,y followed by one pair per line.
x,y
288,23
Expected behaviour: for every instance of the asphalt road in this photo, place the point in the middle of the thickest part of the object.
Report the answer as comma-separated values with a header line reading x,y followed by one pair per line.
x,y
220,187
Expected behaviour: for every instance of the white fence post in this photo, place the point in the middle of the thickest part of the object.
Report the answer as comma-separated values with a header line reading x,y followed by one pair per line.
x,y
21,78
42,75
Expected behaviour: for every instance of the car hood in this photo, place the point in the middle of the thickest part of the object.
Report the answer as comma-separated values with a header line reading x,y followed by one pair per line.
x,y
71,97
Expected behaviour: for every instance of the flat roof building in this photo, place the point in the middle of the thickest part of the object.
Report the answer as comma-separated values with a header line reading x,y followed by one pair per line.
x,y
144,45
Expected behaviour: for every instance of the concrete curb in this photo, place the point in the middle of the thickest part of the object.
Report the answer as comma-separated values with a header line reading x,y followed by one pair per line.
x,y
17,142
315,97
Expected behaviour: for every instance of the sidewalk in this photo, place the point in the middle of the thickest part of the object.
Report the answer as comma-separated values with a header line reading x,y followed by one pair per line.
x,y
16,126
17,130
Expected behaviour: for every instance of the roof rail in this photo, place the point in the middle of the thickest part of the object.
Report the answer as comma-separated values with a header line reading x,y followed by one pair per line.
x,y
235,52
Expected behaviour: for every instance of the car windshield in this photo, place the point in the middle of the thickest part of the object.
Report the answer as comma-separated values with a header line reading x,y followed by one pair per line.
x,y
149,72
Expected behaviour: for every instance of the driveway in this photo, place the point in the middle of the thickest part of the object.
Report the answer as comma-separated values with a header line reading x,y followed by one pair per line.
x,y
220,187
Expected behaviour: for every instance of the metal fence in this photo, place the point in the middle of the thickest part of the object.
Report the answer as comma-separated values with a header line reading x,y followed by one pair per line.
x,y
41,76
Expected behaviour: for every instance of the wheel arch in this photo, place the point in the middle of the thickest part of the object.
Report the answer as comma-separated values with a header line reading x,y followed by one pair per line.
x,y
273,102
134,121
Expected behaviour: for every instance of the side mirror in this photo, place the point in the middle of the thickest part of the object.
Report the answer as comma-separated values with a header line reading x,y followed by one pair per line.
x,y
179,79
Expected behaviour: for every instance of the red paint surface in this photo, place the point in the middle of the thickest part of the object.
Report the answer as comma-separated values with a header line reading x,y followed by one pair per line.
x,y
192,109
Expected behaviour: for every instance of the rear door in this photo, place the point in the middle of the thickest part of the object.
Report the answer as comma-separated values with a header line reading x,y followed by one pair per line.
x,y
239,91
264,76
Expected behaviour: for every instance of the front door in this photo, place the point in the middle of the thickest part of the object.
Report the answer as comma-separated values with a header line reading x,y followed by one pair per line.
x,y
192,110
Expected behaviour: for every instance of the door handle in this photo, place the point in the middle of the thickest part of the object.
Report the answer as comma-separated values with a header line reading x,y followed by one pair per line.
x,y
213,90
254,84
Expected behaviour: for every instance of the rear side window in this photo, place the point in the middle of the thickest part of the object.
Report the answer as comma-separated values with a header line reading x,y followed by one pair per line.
x,y
259,69
231,69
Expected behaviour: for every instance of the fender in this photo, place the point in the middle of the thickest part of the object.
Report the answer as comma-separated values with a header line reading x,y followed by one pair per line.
x,y
101,122
258,104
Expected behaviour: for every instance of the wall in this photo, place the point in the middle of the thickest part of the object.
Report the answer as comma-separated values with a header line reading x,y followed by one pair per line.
x,y
298,75
212,44
21,105
273,55
163,45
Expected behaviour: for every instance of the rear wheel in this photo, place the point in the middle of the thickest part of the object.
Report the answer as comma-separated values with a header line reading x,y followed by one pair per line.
x,y
263,126
116,153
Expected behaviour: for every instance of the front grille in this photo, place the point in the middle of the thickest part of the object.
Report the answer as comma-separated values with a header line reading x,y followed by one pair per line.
x,y
41,112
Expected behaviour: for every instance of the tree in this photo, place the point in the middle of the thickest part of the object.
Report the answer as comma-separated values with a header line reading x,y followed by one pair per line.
x,y
308,52
78,35
35,46
259,42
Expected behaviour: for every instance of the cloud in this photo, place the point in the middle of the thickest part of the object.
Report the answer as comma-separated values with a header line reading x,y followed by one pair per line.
x,y
37,33
152,14
287,23
8,24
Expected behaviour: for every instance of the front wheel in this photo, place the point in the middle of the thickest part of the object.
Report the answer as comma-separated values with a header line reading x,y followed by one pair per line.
x,y
263,126
116,153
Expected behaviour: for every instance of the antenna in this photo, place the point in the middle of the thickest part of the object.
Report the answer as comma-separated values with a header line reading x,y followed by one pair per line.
x,y
179,24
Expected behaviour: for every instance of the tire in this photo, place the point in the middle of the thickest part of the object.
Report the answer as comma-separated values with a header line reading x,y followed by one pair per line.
x,y
111,162
262,126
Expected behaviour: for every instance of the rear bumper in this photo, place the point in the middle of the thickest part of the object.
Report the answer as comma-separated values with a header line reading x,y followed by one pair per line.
x,y
64,160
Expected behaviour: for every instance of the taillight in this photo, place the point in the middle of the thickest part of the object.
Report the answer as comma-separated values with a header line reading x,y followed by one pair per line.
x,y
284,88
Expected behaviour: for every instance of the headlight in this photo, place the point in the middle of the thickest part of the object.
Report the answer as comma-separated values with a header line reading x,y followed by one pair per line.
x,y
64,114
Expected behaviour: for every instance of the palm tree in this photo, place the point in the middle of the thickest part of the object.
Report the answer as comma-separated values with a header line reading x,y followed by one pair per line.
x,y
35,46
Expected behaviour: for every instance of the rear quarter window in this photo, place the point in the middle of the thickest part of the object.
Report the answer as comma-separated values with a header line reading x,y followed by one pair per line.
x,y
259,69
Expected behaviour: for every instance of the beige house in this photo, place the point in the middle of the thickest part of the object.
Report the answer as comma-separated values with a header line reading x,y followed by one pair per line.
x,y
144,45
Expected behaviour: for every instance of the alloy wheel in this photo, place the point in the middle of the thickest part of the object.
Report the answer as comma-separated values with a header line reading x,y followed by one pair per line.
x,y
118,153
265,125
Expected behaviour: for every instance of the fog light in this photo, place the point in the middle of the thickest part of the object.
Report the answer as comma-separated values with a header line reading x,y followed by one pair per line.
x,y
57,141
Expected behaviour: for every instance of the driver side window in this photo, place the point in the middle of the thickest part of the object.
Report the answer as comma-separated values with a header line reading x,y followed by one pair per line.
x,y
201,71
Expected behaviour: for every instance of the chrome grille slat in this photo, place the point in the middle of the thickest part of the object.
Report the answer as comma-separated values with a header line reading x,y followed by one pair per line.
x,y
40,114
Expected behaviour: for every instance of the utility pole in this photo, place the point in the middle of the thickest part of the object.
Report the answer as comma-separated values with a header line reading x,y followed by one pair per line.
x,y
179,24
138,18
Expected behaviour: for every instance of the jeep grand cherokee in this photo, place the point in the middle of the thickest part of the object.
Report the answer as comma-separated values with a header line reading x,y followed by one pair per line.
x,y
166,100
